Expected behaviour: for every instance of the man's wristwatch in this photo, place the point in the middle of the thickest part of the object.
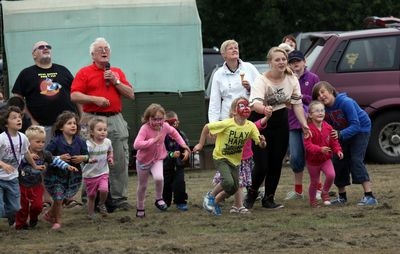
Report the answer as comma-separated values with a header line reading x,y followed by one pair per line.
x,y
118,82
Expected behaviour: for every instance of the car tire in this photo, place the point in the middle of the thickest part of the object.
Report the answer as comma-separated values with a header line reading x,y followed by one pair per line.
x,y
384,143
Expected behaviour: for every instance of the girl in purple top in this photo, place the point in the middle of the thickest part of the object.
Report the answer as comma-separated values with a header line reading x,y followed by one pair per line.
x,y
151,152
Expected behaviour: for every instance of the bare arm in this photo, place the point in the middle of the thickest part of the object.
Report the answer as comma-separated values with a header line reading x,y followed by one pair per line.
x,y
202,140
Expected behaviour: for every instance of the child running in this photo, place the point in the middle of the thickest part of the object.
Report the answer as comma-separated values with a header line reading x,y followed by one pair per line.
x,y
30,179
64,184
232,134
319,148
174,167
151,151
95,172
13,146
245,169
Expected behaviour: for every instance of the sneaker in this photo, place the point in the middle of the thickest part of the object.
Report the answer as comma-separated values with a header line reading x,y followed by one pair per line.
x,y
314,203
269,203
56,226
33,223
338,201
208,202
216,210
367,201
182,207
325,197
292,195
250,198
318,196
11,221
102,210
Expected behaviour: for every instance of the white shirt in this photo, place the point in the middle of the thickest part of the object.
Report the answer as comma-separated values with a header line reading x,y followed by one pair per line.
x,y
99,153
7,155
227,86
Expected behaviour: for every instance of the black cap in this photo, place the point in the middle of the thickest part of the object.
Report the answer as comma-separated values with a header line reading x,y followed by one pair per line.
x,y
296,54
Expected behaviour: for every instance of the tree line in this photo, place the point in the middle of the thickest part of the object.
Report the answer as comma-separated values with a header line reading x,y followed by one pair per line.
x,y
260,24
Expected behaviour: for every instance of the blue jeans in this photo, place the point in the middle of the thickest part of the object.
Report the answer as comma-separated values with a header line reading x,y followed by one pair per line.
x,y
353,161
9,197
296,149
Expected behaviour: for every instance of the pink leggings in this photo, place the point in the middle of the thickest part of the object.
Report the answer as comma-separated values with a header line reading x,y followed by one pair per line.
x,y
143,175
315,171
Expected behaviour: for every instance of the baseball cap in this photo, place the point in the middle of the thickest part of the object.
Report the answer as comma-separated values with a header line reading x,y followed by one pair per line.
x,y
296,54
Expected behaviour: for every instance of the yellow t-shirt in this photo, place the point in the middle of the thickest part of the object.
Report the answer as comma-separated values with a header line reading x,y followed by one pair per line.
x,y
231,138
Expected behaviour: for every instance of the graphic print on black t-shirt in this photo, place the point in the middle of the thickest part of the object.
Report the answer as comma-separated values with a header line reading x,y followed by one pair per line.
x,y
47,86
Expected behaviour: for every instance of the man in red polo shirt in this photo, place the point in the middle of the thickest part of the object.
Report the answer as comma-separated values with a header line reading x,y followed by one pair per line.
x,y
99,88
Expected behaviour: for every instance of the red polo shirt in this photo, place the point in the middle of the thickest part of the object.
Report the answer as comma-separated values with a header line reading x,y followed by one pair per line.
x,y
90,81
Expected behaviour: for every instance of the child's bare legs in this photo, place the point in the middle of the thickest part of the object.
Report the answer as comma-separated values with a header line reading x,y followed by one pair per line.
x,y
238,198
55,213
217,189
91,202
143,176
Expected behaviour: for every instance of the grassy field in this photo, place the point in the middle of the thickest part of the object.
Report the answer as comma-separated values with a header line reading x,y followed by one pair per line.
x,y
294,229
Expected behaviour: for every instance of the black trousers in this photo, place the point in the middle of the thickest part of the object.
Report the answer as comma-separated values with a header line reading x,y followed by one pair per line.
x,y
174,185
268,161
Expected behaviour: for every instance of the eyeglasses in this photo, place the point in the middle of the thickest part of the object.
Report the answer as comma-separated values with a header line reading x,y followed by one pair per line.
x,y
318,111
101,50
159,119
42,47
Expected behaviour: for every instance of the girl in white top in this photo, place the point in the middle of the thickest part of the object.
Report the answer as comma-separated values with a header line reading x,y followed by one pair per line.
x,y
273,92
95,172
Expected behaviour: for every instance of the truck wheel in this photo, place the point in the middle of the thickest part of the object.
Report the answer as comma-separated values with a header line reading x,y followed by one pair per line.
x,y
384,143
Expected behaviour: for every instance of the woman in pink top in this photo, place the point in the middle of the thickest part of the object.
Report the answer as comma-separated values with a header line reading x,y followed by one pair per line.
x,y
151,152
319,148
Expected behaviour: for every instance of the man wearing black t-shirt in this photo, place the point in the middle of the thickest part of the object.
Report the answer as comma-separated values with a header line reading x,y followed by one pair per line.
x,y
45,86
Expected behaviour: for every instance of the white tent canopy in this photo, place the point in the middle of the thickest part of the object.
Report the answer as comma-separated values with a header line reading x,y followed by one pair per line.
x,y
157,43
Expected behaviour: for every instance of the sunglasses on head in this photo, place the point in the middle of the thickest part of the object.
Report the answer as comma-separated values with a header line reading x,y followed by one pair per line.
x,y
41,47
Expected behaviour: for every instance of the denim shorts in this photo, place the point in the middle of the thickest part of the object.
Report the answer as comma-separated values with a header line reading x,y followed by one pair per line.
x,y
9,197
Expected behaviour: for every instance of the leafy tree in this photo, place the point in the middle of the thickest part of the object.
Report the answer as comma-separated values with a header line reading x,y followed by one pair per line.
x,y
258,25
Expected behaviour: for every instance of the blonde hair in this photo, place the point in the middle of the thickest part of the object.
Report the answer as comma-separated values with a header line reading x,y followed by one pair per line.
x,y
152,110
92,123
274,50
311,106
232,111
225,44
34,131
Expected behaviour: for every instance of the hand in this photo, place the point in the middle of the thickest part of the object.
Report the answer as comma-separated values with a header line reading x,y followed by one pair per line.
x,y
326,149
101,101
306,131
263,143
340,155
110,161
186,155
177,154
197,148
109,75
77,159
267,111
246,84
72,169
335,134
35,156
8,168
40,167
65,157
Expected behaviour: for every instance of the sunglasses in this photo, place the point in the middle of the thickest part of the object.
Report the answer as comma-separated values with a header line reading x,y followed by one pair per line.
x,y
42,47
